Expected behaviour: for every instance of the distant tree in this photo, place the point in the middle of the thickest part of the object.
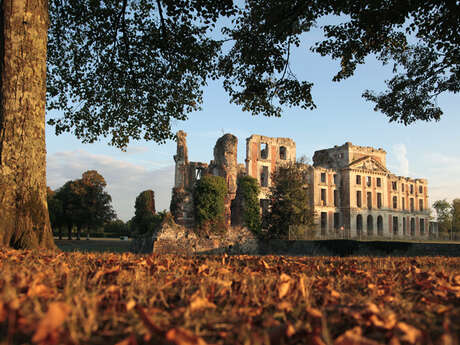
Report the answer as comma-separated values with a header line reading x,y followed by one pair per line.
x,y
444,215
85,203
456,216
289,202
56,212
117,227
209,199
145,218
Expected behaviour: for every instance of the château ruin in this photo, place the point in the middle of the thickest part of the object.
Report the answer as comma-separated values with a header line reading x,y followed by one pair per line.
x,y
351,191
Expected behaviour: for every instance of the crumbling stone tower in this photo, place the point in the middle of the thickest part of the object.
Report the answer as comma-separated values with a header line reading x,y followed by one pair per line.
x,y
188,173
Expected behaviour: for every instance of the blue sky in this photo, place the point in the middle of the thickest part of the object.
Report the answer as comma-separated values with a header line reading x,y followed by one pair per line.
x,y
428,150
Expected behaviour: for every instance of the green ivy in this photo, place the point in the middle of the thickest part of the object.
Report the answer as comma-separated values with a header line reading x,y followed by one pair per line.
x,y
249,190
209,196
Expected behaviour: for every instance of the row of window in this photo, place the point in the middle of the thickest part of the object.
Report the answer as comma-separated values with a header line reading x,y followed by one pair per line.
x,y
379,225
395,201
394,184
264,148
324,198
323,178
395,225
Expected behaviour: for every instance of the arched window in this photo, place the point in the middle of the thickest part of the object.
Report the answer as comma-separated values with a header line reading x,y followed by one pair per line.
x,y
380,226
412,227
359,224
370,225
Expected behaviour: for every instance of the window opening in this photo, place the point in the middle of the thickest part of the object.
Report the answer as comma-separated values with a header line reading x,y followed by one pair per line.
x,y
264,177
358,198
283,154
263,150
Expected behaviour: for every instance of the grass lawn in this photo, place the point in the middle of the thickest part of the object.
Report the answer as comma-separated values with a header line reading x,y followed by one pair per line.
x,y
94,245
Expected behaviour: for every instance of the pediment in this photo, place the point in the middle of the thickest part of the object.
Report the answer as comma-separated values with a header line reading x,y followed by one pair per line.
x,y
368,163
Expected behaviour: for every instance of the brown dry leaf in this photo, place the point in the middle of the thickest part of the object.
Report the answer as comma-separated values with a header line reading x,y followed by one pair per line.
x,y
456,279
410,333
53,319
182,336
3,312
283,288
202,268
199,303
101,273
285,306
267,266
40,290
354,337
371,307
130,304
131,340
334,294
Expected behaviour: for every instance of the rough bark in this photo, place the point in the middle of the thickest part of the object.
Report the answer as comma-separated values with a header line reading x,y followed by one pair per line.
x,y
24,218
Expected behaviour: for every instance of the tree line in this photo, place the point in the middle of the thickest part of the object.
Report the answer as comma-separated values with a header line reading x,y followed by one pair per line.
x,y
448,217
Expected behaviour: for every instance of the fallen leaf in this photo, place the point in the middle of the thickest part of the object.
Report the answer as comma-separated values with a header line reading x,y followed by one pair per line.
x,y
354,337
130,304
53,319
182,336
410,333
267,266
131,340
199,303
284,286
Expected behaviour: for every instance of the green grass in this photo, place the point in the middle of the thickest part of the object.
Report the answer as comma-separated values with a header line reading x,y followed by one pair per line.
x,y
95,245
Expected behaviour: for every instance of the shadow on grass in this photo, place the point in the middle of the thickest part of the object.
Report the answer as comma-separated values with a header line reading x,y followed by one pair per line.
x,y
113,245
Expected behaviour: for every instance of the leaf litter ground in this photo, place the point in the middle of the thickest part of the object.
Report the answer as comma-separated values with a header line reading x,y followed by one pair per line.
x,y
127,299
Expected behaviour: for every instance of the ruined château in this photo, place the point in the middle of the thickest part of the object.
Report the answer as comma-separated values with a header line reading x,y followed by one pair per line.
x,y
351,191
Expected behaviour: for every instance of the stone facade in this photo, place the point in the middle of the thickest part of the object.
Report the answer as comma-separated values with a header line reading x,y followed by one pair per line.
x,y
188,173
352,192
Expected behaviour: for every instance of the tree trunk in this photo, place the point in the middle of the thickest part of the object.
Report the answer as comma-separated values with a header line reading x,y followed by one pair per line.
x,y
24,218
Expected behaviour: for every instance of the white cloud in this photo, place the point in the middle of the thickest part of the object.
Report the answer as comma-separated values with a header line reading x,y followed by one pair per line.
x,y
400,153
125,180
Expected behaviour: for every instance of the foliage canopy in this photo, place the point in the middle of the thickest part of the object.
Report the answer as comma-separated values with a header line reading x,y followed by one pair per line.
x,y
249,189
127,69
209,198
289,202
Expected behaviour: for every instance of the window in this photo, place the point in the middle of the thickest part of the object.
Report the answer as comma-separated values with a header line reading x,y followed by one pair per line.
x,y
359,224
323,177
411,188
336,197
403,203
412,227
380,226
420,189
395,225
369,200
402,187
358,179
358,198
323,222
370,225
335,178
263,150
394,185
264,177
395,202
323,196
369,181
336,220
379,200
420,204
422,227
404,226
412,204
283,153
379,182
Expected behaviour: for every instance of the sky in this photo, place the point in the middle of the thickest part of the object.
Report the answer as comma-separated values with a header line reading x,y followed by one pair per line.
x,y
421,150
